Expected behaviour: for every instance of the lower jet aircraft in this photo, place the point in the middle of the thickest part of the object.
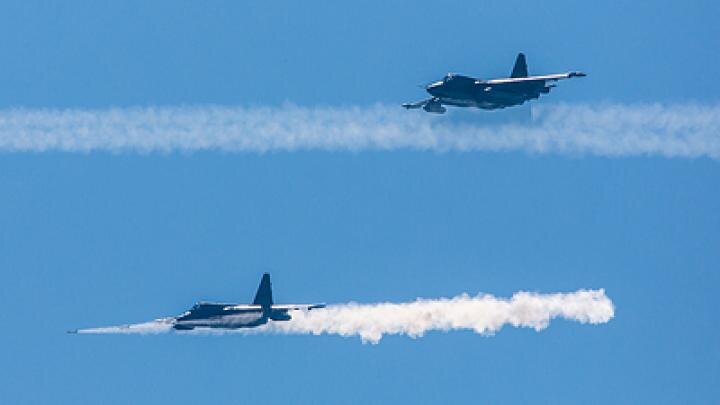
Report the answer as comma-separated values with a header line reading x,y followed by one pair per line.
x,y
465,91
235,316
228,315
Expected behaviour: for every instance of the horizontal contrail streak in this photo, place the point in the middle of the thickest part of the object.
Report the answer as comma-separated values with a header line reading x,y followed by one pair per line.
x,y
484,314
690,130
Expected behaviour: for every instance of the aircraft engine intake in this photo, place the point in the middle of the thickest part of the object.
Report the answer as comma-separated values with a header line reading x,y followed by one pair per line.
x,y
434,107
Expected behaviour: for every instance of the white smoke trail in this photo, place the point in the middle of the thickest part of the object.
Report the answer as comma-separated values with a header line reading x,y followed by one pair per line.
x,y
607,130
484,314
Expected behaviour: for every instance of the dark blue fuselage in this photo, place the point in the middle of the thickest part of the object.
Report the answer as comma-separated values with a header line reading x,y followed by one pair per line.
x,y
464,91
228,316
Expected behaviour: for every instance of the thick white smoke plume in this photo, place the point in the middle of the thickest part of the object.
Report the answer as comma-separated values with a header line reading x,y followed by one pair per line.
x,y
483,314
607,130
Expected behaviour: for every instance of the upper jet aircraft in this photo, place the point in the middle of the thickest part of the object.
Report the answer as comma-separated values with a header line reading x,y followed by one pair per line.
x,y
464,91
228,315
234,316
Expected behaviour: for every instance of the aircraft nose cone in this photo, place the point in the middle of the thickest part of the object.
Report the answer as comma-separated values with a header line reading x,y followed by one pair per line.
x,y
433,85
432,88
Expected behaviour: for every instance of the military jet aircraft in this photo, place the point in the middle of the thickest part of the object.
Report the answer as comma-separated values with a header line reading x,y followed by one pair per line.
x,y
465,91
227,315
233,316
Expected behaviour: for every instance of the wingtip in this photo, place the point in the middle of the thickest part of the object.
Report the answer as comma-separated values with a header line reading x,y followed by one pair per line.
x,y
317,306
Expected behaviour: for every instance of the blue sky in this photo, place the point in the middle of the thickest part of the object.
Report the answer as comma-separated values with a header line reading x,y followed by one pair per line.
x,y
91,239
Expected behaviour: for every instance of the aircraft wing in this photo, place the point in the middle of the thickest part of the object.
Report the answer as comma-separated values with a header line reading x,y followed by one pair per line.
x,y
544,78
298,307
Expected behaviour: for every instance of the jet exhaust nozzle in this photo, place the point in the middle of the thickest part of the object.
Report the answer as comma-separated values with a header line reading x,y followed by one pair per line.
x,y
280,316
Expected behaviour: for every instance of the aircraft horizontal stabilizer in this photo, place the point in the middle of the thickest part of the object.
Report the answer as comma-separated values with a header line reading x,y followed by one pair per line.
x,y
298,307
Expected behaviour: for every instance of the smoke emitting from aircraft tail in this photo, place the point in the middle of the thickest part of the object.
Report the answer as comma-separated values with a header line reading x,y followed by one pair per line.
x,y
483,314
605,130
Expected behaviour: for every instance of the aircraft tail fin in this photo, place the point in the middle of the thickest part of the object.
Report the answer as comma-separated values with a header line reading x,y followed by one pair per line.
x,y
263,297
520,68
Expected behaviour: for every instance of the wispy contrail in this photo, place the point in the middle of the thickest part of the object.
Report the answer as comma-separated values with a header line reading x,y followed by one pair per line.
x,y
607,130
145,328
484,314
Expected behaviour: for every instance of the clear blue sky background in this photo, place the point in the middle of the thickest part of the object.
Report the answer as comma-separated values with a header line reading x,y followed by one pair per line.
x,y
103,239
